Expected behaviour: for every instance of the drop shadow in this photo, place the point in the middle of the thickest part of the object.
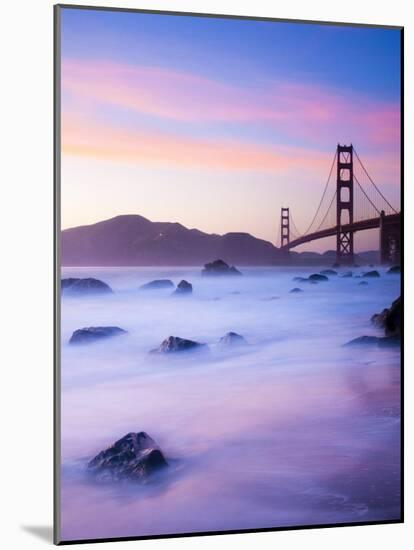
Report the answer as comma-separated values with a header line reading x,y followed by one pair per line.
x,y
43,532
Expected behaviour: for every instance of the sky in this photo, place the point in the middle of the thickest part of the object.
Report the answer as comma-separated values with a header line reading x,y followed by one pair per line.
x,y
218,123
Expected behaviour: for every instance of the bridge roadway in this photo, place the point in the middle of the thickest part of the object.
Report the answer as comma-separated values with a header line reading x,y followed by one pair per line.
x,y
373,223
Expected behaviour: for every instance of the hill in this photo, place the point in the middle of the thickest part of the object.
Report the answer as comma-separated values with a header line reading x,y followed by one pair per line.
x,y
130,240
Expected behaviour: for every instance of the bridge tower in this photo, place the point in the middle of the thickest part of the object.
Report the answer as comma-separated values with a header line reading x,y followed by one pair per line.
x,y
284,228
390,239
344,204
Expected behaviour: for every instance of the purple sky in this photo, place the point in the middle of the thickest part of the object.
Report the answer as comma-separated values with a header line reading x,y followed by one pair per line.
x,y
217,123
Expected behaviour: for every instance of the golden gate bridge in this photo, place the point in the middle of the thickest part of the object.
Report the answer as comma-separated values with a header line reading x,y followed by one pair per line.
x,y
352,203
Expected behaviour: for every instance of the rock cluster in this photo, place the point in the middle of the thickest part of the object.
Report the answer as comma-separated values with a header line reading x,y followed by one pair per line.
x,y
134,457
388,341
76,286
317,277
371,274
175,344
219,267
89,335
157,284
232,339
389,319
184,288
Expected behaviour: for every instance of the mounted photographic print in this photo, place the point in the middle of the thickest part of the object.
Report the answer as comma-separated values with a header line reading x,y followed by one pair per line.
x,y
228,274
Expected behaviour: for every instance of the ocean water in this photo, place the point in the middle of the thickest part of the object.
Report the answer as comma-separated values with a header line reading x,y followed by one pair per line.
x,y
292,429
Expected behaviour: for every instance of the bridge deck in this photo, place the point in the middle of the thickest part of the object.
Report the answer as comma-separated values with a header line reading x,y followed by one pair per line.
x,y
372,223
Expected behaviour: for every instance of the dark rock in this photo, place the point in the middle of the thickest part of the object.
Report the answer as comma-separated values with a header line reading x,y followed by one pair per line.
x,y
183,289
362,283
134,457
317,277
371,274
157,284
347,274
299,279
84,286
174,344
295,290
89,335
386,341
394,269
363,340
329,272
219,267
389,319
232,339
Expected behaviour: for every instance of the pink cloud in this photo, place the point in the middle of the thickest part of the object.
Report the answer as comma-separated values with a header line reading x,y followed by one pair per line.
x,y
296,109
87,137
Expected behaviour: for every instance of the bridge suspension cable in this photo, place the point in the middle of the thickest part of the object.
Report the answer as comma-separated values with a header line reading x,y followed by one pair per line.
x,y
323,195
296,233
373,183
329,210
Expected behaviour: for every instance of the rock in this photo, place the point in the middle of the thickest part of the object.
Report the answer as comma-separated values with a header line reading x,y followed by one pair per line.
x,y
174,344
299,279
89,335
219,267
347,274
389,319
317,277
371,274
394,269
157,284
183,289
331,272
362,283
232,339
295,290
84,286
386,341
133,457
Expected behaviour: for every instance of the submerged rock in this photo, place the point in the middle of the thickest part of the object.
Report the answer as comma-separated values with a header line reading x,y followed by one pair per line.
x,y
347,274
219,267
385,341
299,279
329,272
89,285
89,335
157,284
371,274
134,457
362,283
174,344
394,269
184,288
295,290
232,339
389,319
317,277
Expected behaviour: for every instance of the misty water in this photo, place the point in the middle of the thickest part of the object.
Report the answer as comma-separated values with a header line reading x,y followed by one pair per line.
x,y
291,429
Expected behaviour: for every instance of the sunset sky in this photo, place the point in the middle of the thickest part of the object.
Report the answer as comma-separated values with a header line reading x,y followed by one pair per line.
x,y
217,123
